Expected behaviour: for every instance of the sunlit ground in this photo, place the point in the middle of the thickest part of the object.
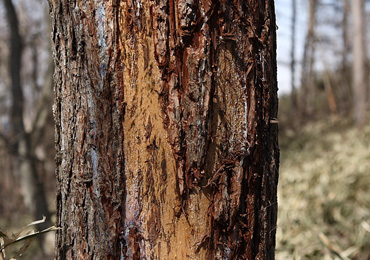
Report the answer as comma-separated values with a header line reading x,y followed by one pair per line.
x,y
324,192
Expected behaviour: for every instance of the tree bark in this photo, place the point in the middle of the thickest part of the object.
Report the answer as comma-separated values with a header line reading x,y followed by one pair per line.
x,y
359,55
166,130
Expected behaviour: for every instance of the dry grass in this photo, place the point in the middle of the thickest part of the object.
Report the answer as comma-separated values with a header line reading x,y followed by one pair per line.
x,y
324,193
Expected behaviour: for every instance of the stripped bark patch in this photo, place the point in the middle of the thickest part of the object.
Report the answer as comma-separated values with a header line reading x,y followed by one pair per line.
x,y
217,88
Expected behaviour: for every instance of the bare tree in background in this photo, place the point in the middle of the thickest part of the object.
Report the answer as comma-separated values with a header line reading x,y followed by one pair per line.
x,y
359,63
166,130
292,55
307,97
22,142
345,84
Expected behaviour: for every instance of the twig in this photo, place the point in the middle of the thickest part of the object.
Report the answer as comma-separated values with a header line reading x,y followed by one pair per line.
x,y
333,248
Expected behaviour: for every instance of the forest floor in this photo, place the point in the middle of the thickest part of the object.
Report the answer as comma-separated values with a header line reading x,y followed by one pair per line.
x,y
324,192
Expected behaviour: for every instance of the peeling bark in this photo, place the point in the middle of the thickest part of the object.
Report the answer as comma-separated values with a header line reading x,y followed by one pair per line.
x,y
166,149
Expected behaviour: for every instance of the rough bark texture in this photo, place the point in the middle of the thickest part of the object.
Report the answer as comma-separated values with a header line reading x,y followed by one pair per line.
x,y
166,129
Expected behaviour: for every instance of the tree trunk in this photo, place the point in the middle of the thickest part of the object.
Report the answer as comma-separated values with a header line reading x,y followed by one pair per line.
x,y
292,56
330,94
359,55
166,130
345,84
308,81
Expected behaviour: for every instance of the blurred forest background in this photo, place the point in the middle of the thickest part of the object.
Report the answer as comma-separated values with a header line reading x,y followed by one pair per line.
x,y
323,67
